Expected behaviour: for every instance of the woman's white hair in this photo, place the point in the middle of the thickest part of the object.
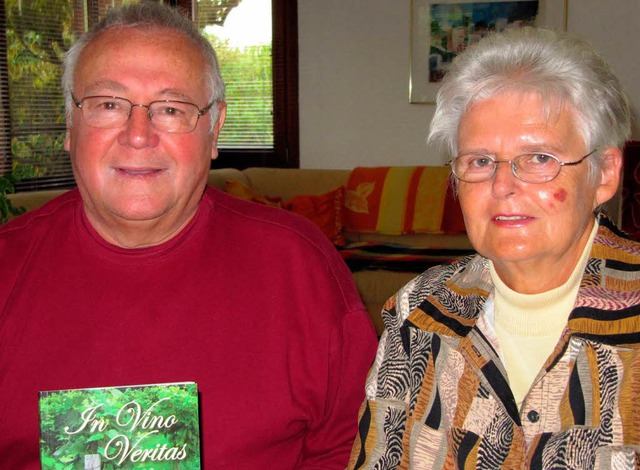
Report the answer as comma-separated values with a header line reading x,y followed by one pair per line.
x,y
561,69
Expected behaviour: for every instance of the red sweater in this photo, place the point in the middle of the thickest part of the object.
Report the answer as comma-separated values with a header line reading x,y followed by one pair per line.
x,y
252,303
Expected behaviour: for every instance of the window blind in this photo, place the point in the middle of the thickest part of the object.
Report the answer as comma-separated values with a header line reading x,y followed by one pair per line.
x,y
240,32
32,49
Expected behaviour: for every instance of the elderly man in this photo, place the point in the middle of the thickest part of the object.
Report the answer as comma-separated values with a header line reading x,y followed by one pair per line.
x,y
143,275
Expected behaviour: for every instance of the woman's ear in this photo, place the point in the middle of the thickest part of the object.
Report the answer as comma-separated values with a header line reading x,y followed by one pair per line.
x,y
610,174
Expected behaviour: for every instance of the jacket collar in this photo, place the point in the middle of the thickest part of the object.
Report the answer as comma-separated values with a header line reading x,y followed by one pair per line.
x,y
607,307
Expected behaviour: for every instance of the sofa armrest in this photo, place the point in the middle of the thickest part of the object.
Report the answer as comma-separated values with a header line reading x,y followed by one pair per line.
x,y
34,199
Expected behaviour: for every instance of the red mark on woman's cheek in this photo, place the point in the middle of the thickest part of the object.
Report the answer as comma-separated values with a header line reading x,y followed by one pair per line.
x,y
560,195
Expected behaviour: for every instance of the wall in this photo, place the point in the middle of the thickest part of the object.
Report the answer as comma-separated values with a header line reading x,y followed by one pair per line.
x,y
354,77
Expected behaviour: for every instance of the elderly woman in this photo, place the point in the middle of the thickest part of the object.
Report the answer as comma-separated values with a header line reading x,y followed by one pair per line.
x,y
525,355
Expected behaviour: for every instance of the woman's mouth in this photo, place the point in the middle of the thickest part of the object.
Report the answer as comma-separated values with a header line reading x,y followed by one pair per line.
x,y
510,218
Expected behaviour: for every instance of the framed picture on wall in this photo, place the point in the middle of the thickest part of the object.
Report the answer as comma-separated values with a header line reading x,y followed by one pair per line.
x,y
441,29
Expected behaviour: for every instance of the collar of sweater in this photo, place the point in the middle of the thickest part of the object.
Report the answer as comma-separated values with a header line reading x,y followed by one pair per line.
x,y
540,314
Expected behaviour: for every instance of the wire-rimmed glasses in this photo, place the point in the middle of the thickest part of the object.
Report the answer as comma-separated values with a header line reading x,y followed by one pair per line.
x,y
109,112
534,167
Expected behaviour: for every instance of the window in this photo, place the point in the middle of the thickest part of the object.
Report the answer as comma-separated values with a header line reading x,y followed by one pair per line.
x,y
260,131
241,36
284,49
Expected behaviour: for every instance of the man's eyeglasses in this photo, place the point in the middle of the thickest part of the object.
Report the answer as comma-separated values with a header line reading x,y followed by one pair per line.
x,y
535,167
109,112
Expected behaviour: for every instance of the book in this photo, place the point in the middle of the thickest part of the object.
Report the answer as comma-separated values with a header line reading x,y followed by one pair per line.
x,y
139,426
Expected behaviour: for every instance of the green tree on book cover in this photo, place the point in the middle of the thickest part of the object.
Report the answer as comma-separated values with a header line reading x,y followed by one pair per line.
x,y
153,426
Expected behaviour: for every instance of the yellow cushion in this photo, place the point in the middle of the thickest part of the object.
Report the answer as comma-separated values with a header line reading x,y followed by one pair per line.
x,y
401,200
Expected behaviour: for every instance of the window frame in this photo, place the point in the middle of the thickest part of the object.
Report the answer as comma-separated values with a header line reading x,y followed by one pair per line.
x,y
286,142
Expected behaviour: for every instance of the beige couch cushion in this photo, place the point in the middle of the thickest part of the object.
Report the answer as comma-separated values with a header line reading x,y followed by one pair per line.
x,y
33,200
217,178
287,182
376,287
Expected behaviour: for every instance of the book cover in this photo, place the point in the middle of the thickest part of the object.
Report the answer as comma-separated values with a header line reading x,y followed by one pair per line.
x,y
139,426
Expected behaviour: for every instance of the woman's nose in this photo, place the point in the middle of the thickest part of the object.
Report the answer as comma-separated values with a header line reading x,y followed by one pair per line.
x,y
504,178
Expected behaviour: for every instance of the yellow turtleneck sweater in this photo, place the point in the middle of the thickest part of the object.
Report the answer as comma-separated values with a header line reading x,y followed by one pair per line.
x,y
528,326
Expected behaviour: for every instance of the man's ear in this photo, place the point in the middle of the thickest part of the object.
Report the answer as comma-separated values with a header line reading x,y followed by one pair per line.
x,y
67,139
222,114
610,174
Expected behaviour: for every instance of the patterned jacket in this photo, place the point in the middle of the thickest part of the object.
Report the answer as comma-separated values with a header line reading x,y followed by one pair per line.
x,y
438,396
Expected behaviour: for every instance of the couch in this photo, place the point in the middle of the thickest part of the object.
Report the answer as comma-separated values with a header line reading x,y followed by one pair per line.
x,y
381,259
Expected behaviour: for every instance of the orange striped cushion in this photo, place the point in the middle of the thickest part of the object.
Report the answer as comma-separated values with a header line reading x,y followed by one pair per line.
x,y
400,200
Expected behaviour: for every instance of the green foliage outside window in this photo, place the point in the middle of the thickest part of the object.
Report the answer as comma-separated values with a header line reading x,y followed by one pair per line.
x,y
247,74
38,33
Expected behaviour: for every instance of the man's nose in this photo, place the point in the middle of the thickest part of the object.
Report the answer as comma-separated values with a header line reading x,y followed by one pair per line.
x,y
139,131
